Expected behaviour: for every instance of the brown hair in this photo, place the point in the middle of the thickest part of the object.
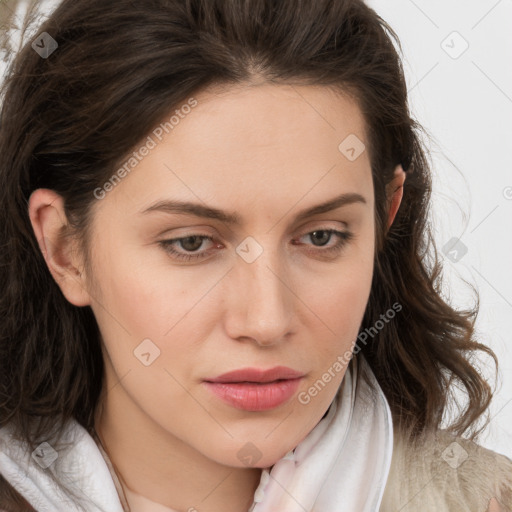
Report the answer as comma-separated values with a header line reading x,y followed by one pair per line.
x,y
69,120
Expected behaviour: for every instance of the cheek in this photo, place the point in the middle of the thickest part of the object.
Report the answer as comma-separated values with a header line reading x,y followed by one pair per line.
x,y
340,301
124,308
144,300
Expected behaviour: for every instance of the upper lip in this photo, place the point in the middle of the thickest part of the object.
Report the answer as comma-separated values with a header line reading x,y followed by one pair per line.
x,y
257,375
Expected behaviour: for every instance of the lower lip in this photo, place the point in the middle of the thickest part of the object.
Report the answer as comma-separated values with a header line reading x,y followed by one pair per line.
x,y
250,396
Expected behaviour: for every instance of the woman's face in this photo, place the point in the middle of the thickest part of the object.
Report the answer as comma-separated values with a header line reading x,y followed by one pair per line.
x,y
262,292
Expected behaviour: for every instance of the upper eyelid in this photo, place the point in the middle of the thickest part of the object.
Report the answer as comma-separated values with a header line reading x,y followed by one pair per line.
x,y
198,231
213,239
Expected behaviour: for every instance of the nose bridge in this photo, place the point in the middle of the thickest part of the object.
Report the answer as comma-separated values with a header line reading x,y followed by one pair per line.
x,y
263,303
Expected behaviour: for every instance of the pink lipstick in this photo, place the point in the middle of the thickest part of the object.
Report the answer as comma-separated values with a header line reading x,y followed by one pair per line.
x,y
252,389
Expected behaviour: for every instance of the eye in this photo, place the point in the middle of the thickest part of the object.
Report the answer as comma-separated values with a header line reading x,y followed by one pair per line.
x,y
193,242
189,243
323,236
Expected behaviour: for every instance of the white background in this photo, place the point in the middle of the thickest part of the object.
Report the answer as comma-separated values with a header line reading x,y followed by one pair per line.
x,y
465,103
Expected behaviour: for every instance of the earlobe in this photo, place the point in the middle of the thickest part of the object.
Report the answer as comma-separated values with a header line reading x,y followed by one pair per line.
x,y
395,193
48,219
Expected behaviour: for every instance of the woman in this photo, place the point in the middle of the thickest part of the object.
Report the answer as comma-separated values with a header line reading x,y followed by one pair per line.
x,y
221,290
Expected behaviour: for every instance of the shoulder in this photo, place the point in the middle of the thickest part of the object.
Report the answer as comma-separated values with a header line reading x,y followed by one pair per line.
x,y
11,500
442,472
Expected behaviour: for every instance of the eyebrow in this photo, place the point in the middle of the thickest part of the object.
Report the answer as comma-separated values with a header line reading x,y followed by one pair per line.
x,y
208,212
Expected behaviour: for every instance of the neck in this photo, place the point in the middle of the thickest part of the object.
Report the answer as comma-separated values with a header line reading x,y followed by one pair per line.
x,y
153,463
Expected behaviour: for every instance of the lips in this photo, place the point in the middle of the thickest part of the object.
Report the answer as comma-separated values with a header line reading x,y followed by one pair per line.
x,y
252,389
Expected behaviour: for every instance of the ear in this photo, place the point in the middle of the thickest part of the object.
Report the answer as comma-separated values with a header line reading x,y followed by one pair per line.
x,y
48,219
394,191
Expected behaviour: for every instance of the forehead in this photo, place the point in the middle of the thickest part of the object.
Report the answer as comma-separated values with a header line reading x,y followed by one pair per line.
x,y
275,116
257,145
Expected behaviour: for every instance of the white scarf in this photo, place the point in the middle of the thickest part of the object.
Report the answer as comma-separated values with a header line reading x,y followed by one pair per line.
x,y
341,466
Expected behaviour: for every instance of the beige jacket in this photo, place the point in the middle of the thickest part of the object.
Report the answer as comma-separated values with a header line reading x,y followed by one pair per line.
x,y
439,473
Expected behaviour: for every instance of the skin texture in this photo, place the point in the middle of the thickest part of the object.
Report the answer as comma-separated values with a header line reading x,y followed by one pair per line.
x,y
265,152
494,506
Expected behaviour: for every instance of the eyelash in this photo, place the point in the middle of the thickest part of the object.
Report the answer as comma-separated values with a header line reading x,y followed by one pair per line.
x,y
344,238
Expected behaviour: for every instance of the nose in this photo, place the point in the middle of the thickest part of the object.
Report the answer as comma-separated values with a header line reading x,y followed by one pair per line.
x,y
261,301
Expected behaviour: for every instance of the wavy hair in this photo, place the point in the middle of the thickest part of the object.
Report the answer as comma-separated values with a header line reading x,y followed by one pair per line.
x,y
69,120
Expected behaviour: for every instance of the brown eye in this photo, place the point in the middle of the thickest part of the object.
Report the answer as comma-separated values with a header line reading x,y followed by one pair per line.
x,y
323,236
188,243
